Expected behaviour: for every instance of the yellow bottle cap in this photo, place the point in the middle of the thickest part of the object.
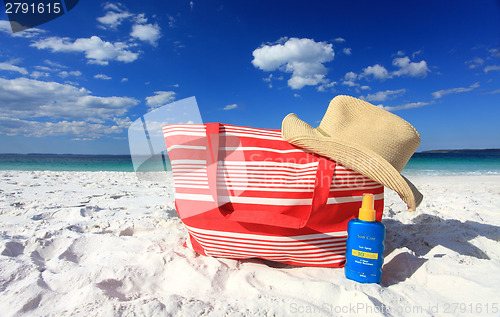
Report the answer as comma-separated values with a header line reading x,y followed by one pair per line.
x,y
367,211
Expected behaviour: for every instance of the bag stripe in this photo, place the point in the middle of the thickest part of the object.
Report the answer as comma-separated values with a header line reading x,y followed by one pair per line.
x,y
201,163
192,182
185,126
256,136
228,127
192,186
262,237
191,175
280,180
194,197
258,245
185,170
267,189
284,259
260,149
257,174
253,252
264,164
259,171
291,190
306,249
256,184
186,147
188,166
271,201
183,133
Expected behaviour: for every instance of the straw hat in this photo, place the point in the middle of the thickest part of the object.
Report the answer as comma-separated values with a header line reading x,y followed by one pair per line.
x,y
364,138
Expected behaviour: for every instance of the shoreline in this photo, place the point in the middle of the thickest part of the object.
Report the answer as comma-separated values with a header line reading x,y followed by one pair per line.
x,y
495,177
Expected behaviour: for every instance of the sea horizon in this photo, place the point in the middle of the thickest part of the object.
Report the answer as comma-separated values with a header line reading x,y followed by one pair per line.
x,y
114,154
425,163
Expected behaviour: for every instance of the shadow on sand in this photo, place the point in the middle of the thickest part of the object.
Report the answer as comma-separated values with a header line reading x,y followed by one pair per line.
x,y
425,233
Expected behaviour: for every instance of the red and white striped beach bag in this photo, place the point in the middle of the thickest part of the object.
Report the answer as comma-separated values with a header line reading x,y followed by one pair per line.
x,y
246,193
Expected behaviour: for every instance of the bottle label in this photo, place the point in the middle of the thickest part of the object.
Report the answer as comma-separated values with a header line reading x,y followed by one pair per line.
x,y
364,254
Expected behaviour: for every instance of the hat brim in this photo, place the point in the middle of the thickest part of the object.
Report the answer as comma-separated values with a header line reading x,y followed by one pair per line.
x,y
351,155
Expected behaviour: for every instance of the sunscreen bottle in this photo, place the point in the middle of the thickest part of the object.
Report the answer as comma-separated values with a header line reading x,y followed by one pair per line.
x,y
365,245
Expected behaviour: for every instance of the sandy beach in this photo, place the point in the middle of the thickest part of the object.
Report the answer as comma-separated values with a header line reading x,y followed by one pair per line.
x,y
109,244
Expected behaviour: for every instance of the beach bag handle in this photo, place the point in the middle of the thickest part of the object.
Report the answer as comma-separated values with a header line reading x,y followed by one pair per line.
x,y
297,220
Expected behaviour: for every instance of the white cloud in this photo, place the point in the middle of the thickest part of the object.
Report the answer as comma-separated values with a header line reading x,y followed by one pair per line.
x,y
383,95
53,64
114,6
37,74
405,106
339,40
326,85
30,128
474,63
146,32
65,74
407,68
64,110
28,33
491,68
140,18
441,93
294,50
44,68
142,31
5,26
347,51
416,53
303,58
231,107
13,68
122,122
124,79
270,78
495,52
99,51
298,82
96,50
377,71
171,21
351,76
102,76
350,79
29,98
113,19
160,98
485,62
178,44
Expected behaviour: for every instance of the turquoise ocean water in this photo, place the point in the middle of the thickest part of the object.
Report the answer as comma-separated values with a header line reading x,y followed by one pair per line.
x,y
484,162
65,162
469,162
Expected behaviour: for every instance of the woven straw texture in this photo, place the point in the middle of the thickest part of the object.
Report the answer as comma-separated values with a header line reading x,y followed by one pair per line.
x,y
364,138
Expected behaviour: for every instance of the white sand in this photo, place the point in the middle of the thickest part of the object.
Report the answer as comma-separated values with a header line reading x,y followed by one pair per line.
x,y
107,244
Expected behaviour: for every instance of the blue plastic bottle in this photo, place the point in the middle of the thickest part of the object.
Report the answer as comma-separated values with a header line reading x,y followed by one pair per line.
x,y
365,245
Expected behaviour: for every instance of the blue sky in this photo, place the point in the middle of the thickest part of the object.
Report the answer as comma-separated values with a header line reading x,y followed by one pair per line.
x,y
75,84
